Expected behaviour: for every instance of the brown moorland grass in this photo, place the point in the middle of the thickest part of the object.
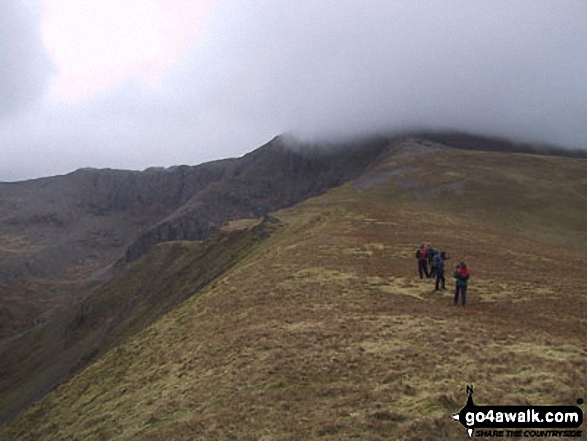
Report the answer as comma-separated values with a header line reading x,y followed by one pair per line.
x,y
325,332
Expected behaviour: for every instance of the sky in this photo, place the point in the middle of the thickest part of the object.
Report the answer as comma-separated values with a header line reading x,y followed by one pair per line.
x,y
138,83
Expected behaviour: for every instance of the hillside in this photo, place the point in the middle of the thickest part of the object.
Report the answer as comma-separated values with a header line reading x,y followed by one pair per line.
x,y
69,318
41,359
321,329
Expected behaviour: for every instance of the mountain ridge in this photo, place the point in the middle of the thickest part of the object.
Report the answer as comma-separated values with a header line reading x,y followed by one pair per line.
x,y
323,330
70,232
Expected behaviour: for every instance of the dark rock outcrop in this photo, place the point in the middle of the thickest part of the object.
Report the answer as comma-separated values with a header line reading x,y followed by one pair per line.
x,y
274,176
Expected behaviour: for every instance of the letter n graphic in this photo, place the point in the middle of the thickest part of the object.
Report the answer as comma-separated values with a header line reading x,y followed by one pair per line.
x,y
470,390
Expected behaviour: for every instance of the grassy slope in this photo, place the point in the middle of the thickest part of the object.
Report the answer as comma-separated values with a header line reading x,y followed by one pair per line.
x,y
324,331
39,360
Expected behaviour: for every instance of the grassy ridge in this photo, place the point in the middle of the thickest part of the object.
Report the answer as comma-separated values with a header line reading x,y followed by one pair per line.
x,y
323,331
46,356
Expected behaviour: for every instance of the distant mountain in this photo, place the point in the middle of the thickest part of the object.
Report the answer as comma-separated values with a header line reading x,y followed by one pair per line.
x,y
60,236
72,225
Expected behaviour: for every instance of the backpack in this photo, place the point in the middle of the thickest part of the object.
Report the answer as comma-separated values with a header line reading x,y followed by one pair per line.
x,y
423,251
462,275
435,261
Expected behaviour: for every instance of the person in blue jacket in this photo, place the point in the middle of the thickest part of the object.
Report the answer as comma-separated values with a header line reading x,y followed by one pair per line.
x,y
440,271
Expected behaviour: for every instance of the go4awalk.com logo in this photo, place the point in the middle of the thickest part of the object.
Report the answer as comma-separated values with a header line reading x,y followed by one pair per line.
x,y
520,421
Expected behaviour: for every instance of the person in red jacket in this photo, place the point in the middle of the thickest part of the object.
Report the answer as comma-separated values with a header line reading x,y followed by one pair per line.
x,y
462,274
422,261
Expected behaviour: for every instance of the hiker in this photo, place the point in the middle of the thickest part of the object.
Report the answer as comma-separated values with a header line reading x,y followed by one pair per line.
x,y
429,254
434,263
440,271
422,262
462,275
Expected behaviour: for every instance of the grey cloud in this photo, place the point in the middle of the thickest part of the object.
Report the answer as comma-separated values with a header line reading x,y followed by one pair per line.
x,y
511,68
25,66
332,69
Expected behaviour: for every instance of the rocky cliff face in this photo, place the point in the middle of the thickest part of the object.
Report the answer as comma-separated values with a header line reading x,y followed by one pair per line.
x,y
274,176
68,226
58,234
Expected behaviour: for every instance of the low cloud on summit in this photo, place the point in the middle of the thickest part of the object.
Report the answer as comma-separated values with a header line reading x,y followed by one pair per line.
x,y
326,69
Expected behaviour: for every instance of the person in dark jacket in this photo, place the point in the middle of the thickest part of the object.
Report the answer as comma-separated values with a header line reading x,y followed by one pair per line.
x,y
462,275
422,261
429,254
434,263
440,271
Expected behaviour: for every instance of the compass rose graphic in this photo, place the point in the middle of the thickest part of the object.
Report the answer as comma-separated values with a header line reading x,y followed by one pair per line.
x,y
469,407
